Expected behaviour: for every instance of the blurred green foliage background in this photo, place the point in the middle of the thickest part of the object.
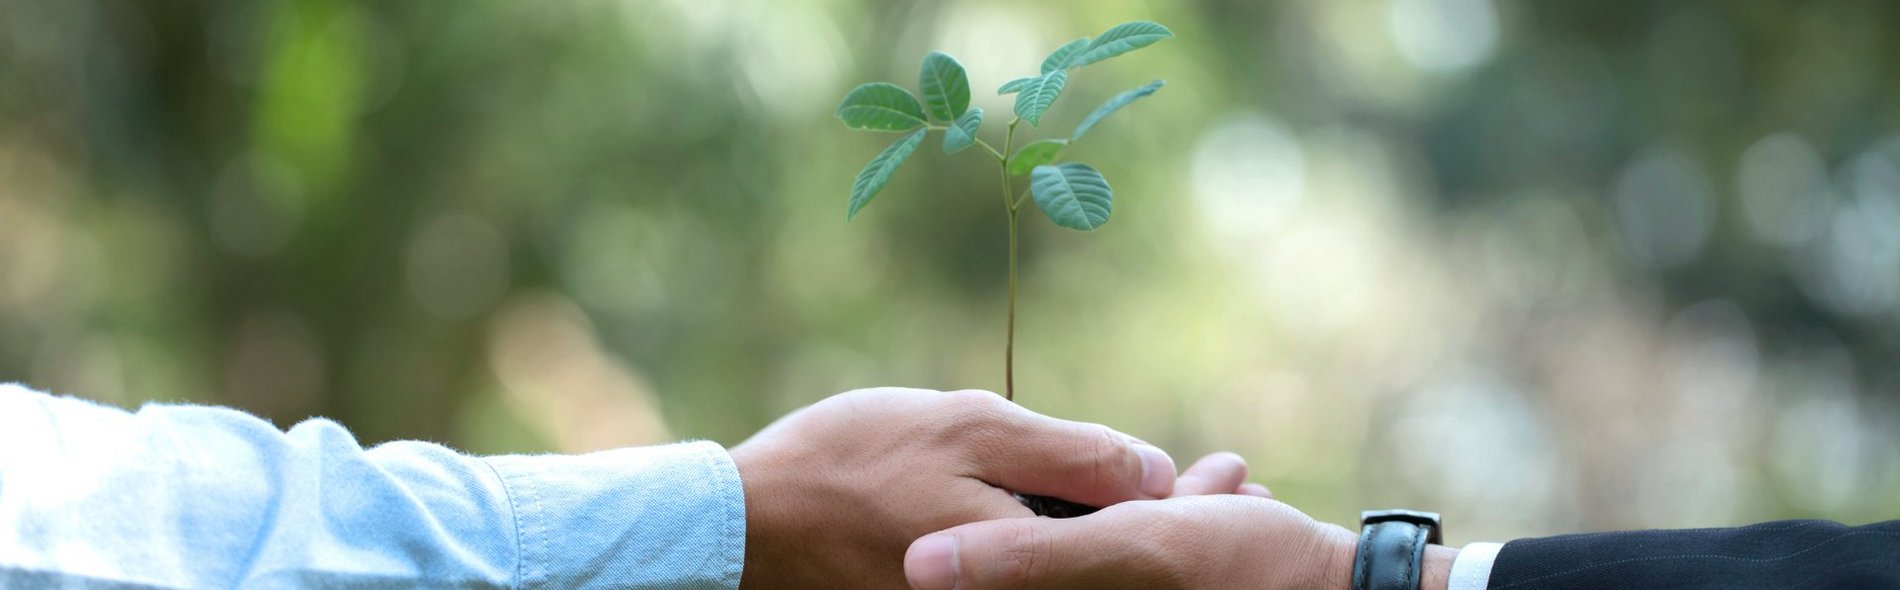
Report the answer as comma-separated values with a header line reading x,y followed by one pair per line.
x,y
1544,266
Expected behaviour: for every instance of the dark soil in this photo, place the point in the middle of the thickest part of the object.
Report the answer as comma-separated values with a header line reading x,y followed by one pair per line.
x,y
1055,507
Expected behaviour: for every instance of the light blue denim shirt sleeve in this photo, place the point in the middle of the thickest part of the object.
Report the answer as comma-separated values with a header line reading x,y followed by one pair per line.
x,y
204,497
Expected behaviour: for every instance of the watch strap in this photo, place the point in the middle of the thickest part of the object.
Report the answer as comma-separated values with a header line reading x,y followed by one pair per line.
x,y
1392,549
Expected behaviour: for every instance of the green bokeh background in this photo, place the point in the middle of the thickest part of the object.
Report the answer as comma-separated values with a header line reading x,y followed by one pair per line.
x,y
1544,266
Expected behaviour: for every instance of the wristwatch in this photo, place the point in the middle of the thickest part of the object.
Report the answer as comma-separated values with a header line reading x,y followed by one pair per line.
x,y
1392,548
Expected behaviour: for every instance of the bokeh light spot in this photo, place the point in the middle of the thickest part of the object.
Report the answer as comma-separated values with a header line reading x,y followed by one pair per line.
x,y
1784,189
1443,34
1663,210
1248,174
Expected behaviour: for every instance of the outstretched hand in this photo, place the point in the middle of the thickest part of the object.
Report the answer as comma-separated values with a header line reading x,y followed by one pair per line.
x,y
835,492
1215,532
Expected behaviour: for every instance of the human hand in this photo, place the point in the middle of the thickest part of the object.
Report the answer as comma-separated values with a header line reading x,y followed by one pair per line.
x,y
1209,541
835,492
1215,532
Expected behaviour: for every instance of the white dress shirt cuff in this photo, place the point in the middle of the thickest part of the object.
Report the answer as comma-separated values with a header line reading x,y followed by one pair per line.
x,y
1471,570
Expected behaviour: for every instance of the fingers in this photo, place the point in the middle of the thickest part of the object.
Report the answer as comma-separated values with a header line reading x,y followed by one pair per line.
x,y
1219,473
1030,453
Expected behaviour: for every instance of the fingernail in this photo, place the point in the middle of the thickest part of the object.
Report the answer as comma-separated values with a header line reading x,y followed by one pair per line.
x,y
932,563
1157,471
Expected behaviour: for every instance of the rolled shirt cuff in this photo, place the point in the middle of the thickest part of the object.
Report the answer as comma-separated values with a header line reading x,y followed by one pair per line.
x,y
669,516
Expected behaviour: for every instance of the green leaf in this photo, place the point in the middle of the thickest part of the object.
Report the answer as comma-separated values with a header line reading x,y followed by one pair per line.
x,y
1037,96
1062,56
1035,154
878,173
881,106
946,88
1121,39
1120,100
1072,194
962,134
1017,85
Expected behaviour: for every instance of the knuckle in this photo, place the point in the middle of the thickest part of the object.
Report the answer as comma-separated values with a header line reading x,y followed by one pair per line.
x,y
975,393
970,410
1024,556
975,400
1108,453
1172,551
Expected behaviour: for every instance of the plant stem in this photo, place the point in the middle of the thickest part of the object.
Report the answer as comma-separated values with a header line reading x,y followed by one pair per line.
x,y
999,155
1009,346
1009,338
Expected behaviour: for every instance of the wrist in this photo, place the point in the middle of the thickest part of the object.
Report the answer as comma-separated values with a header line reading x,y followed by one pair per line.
x,y
1343,549
1436,571
761,524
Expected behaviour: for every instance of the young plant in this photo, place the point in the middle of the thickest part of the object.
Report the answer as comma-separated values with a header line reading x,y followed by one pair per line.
x,y
1071,194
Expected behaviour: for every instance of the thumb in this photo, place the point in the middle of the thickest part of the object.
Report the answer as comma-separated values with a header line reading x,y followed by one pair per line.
x,y
1021,553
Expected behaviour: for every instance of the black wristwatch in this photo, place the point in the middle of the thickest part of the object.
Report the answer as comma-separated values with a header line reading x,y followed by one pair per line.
x,y
1392,548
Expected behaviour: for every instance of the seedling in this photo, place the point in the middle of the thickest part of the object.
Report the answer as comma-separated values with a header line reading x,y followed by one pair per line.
x,y
1071,194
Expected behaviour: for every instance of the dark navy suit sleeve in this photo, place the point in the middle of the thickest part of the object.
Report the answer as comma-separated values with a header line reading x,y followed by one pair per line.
x,y
1787,554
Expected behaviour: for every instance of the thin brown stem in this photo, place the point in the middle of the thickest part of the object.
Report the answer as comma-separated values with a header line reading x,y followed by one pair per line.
x,y
1009,338
1009,346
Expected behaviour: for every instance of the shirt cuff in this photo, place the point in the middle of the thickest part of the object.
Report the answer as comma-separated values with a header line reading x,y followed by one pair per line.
x,y
669,516
1471,570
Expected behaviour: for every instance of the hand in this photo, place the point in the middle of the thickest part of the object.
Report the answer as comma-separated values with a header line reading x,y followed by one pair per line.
x,y
1243,539
835,492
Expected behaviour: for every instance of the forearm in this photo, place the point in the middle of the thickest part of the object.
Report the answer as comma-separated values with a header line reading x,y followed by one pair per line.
x,y
183,496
